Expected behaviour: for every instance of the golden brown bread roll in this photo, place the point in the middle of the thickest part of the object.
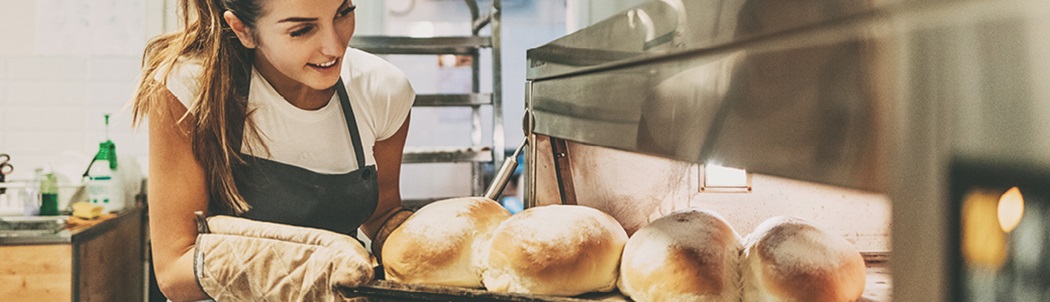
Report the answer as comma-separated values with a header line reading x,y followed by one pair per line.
x,y
443,242
689,255
788,259
555,250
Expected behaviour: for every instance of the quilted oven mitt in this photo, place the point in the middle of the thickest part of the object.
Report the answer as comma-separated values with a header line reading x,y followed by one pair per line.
x,y
238,259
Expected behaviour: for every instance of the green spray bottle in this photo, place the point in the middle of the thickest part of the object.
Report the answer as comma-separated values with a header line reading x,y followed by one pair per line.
x,y
103,188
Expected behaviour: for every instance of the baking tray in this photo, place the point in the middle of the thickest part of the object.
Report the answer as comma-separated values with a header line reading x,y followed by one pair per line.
x,y
877,289
383,290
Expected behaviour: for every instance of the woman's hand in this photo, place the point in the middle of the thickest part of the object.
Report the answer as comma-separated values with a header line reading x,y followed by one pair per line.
x,y
242,259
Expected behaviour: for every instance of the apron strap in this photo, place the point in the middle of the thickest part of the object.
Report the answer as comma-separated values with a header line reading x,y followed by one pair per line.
x,y
351,123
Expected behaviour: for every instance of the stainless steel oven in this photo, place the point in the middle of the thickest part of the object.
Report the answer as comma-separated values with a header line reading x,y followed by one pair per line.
x,y
860,114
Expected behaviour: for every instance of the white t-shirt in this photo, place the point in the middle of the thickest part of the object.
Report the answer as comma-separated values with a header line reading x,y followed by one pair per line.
x,y
317,140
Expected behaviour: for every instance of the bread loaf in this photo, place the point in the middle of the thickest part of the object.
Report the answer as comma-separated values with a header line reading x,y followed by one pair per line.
x,y
689,255
788,259
443,242
555,250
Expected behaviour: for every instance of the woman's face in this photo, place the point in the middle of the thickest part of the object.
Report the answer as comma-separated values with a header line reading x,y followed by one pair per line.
x,y
303,41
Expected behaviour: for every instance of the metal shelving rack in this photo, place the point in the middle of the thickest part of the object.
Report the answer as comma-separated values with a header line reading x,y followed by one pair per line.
x,y
477,154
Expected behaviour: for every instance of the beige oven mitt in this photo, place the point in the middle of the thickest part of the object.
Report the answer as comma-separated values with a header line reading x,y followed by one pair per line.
x,y
239,259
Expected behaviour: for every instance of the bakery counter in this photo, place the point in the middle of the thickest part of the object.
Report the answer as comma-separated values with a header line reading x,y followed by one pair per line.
x,y
96,260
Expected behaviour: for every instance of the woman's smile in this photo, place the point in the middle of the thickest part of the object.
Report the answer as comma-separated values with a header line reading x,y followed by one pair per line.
x,y
329,68
324,65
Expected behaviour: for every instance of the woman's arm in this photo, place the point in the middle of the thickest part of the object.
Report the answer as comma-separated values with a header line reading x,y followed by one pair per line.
x,y
388,154
176,189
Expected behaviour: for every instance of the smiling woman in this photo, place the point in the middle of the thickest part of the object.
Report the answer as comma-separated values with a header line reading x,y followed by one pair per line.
x,y
299,52
258,109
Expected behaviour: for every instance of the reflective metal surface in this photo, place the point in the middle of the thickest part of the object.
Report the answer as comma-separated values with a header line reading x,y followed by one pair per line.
x,y
33,230
440,100
411,45
31,226
746,88
662,27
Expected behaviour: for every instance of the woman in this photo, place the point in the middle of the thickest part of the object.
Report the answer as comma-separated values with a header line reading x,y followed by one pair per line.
x,y
258,109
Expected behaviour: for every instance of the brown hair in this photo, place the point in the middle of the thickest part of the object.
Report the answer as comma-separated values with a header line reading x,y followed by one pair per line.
x,y
219,113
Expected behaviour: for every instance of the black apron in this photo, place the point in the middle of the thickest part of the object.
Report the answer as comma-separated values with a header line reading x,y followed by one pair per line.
x,y
288,194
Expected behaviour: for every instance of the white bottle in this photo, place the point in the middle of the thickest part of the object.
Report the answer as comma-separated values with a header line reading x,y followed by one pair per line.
x,y
104,187
105,182
31,194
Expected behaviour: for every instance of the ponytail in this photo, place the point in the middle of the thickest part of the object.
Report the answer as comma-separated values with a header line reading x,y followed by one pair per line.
x,y
219,113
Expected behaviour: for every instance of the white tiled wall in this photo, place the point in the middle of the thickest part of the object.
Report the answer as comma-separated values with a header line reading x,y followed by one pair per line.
x,y
55,104
3,113
52,100
33,67
16,26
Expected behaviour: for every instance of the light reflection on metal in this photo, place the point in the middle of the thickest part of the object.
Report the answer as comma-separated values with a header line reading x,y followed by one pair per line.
x,y
716,178
1010,210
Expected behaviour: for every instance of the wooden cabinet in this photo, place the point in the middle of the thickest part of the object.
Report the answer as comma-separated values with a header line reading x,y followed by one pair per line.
x,y
104,262
36,272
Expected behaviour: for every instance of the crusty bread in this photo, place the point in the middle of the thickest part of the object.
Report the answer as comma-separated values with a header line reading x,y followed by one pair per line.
x,y
788,259
555,250
688,255
443,242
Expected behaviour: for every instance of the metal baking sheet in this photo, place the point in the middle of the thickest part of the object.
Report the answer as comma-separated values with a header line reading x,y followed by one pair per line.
x,y
878,288
382,290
